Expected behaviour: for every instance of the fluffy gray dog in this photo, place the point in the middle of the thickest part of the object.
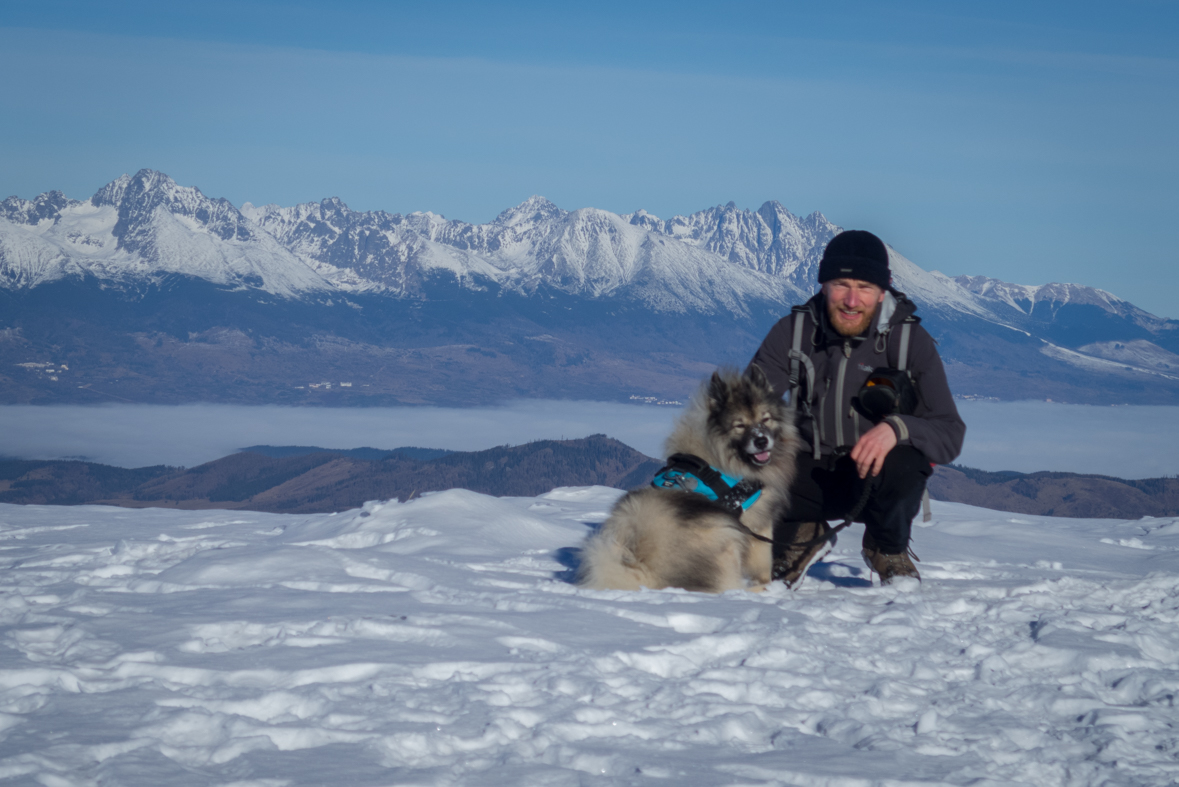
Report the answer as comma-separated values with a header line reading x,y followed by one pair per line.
x,y
698,527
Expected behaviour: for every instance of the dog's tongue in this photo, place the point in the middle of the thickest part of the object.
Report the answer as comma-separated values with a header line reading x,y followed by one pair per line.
x,y
763,457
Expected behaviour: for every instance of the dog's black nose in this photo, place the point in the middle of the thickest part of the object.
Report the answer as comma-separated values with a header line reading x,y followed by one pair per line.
x,y
760,442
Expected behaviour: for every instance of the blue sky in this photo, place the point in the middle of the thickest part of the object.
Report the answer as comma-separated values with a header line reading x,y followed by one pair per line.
x,y
1032,142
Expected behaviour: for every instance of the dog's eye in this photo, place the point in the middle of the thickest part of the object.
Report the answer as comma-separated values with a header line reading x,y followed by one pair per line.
x,y
737,426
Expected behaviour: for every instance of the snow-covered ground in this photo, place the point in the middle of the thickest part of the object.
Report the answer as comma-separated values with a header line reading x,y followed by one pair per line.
x,y
439,642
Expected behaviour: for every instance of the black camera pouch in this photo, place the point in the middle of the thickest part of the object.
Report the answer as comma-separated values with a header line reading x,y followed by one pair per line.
x,y
887,392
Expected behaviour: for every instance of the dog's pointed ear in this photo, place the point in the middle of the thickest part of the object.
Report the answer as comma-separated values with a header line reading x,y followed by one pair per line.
x,y
718,391
757,376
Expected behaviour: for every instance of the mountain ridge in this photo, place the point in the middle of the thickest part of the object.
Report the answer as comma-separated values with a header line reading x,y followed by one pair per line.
x,y
306,479
674,295
329,480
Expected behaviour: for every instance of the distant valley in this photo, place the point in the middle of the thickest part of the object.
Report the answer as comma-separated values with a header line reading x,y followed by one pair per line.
x,y
151,292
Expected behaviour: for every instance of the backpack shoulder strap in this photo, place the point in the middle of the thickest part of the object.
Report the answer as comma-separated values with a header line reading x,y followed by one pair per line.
x,y
903,355
795,354
799,360
902,362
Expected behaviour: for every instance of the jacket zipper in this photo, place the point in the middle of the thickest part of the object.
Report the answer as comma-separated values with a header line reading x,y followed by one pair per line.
x,y
820,437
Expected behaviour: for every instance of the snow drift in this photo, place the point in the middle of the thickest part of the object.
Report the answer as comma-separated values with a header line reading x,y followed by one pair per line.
x,y
439,642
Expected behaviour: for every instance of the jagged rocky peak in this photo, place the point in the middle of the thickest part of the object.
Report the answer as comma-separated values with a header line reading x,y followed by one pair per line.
x,y
814,220
138,196
257,213
815,224
332,209
146,185
771,239
328,217
112,193
641,218
737,235
534,210
433,226
772,211
43,207
326,208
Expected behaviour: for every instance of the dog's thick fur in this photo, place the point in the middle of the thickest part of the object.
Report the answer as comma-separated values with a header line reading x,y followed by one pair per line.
x,y
658,538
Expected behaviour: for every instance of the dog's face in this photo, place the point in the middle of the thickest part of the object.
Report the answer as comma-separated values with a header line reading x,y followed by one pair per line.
x,y
745,417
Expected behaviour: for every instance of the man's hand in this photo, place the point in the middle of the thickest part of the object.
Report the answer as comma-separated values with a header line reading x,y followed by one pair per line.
x,y
871,449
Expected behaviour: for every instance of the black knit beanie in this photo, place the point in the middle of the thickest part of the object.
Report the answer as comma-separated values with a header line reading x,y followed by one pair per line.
x,y
856,254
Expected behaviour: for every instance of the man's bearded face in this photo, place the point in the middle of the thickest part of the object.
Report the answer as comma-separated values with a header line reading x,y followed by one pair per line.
x,y
851,304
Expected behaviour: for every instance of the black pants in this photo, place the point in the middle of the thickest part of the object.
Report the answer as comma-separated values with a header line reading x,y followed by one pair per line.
x,y
829,488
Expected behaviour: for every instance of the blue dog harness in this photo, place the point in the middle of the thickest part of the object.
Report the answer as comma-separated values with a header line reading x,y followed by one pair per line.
x,y
692,474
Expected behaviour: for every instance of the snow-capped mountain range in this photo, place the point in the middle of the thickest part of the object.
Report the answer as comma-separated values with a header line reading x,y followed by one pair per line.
x,y
144,231
145,226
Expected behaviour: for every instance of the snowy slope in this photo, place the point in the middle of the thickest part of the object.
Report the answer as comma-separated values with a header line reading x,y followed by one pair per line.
x,y
1144,359
933,290
1139,353
1051,297
439,642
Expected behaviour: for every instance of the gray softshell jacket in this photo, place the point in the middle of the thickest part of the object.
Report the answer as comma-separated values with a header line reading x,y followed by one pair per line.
x,y
842,366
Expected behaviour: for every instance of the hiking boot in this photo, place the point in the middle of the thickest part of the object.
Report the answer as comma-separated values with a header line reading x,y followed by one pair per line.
x,y
798,553
889,567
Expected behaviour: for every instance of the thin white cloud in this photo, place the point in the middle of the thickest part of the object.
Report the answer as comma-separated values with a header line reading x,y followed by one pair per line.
x,y
1125,442
189,435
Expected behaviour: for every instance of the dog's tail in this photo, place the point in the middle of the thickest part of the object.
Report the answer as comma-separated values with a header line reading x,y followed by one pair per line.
x,y
609,559
607,564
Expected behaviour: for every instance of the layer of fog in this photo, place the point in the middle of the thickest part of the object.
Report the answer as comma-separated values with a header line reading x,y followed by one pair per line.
x,y
1127,442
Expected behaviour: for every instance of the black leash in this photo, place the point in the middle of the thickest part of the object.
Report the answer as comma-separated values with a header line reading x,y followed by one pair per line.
x,y
741,526
851,516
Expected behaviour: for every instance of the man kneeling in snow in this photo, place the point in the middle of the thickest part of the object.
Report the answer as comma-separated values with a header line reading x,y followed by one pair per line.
x,y
827,353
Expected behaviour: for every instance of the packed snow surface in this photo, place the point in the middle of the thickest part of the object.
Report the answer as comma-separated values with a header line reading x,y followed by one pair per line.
x,y
440,642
